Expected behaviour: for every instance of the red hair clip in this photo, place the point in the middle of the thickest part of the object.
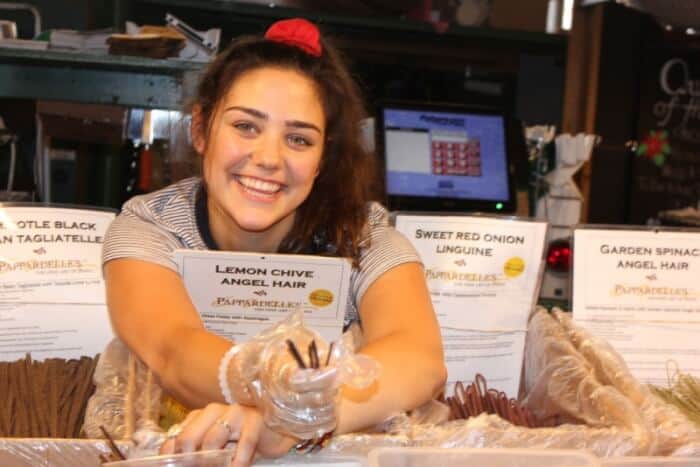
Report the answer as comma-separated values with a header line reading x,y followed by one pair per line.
x,y
296,32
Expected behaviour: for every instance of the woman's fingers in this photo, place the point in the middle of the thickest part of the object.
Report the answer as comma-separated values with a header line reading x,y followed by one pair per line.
x,y
226,428
249,436
195,429
216,425
168,447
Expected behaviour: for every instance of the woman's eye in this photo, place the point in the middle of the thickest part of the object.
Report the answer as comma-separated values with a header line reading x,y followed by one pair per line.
x,y
246,127
297,140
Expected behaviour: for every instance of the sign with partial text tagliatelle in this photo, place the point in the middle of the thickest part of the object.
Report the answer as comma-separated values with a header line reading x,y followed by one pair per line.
x,y
52,296
52,255
240,294
53,330
639,290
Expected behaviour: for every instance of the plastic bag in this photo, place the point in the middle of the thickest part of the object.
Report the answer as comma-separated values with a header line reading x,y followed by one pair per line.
x,y
670,430
298,396
490,431
263,373
126,396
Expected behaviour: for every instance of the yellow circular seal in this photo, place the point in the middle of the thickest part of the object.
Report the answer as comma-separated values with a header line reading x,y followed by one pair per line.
x,y
321,297
514,267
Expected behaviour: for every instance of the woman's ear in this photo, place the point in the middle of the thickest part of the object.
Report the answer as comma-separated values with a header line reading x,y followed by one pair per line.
x,y
197,129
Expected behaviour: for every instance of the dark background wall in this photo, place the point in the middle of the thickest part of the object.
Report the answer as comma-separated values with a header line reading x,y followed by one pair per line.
x,y
507,63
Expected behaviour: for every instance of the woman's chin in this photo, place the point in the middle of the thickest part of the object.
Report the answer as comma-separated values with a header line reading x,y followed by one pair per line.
x,y
256,223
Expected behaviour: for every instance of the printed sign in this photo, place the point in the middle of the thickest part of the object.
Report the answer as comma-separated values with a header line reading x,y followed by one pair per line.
x,y
240,294
52,255
636,275
53,331
52,297
496,355
638,289
483,275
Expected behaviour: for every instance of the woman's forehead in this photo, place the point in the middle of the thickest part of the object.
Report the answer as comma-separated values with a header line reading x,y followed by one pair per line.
x,y
275,85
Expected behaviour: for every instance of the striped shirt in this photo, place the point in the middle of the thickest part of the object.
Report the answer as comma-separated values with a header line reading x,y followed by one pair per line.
x,y
152,226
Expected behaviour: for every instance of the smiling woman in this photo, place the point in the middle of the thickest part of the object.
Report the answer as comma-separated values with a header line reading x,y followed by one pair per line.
x,y
261,156
276,122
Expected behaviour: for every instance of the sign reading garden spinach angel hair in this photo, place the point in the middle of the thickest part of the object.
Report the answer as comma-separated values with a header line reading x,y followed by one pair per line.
x,y
639,290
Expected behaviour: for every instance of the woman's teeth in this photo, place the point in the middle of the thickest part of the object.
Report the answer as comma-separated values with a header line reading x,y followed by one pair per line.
x,y
258,185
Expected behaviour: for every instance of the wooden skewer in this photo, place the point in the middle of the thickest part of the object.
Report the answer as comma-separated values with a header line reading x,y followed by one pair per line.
x,y
313,355
112,445
295,353
330,353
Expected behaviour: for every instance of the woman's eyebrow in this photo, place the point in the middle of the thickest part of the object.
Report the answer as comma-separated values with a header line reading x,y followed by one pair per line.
x,y
300,124
263,116
254,112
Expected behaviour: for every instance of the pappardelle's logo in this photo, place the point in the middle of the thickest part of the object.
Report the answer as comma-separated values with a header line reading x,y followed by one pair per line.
x,y
620,290
459,276
253,303
42,265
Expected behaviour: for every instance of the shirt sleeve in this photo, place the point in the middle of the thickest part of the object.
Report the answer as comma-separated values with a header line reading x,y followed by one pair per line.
x,y
136,237
388,248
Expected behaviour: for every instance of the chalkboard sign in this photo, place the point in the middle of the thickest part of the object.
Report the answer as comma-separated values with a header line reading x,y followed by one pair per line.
x,y
666,164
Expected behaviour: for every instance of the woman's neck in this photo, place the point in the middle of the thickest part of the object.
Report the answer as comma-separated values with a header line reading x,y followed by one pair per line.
x,y
230,237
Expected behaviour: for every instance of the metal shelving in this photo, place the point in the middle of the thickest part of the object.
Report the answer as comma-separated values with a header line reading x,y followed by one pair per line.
x,y
97,78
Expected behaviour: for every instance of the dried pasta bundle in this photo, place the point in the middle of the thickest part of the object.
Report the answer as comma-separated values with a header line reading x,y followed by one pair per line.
x,y
44,399
684,393
476,398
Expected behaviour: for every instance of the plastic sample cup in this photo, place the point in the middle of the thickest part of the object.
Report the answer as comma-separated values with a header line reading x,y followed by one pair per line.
x,y
218,458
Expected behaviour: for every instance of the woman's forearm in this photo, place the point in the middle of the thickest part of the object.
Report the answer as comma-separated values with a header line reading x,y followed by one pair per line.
x,y
152,314
189,370
409,377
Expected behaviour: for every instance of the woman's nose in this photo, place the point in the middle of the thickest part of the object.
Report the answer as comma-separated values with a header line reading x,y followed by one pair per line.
x,y
268,153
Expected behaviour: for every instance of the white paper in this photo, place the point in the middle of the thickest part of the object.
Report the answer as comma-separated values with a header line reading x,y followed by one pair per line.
x,y
639,290
52,255
483,273
483,291
498,356
636,275
53,331
654,353
240,294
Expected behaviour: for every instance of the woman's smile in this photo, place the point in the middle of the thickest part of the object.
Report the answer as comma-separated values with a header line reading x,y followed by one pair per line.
x,y
258,189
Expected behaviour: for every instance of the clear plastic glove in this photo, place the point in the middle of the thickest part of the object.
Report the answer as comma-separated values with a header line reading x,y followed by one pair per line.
x,y
298,395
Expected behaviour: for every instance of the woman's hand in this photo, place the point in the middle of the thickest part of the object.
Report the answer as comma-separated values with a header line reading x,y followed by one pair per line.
x,y
218,424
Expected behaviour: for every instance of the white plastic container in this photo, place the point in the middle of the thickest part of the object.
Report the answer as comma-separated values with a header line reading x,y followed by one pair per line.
x,y
218,458
313,460
435,457
651,462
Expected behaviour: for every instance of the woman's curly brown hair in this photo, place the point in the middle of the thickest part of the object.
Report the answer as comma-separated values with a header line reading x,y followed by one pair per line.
x,y
332,220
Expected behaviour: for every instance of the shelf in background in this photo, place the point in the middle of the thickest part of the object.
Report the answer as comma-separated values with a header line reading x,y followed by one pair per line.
x,y
97,78
264,14
241,18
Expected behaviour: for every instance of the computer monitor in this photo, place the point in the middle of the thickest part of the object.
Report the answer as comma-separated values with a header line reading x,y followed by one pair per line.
x,y
445,157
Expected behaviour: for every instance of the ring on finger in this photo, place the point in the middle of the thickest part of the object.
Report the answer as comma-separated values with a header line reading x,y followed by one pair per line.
x,y
225,425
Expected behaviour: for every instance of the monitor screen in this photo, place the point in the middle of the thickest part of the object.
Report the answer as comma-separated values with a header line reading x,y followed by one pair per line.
x,y
445,157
